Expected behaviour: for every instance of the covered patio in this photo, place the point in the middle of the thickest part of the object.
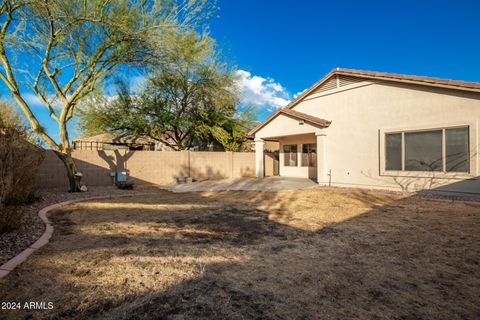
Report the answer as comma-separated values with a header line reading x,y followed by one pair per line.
x,y
303,145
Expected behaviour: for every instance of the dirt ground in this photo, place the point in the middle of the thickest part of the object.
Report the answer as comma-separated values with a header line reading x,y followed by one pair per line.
x,y
305,254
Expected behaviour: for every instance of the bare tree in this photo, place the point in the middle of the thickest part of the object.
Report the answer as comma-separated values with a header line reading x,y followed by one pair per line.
x,y
68,47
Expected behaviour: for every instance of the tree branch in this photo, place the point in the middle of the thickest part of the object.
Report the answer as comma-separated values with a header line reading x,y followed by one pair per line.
x,y
43,98
12,84
46,59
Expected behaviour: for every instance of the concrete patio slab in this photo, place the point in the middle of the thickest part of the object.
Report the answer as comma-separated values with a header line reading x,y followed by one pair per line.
x,y
273,184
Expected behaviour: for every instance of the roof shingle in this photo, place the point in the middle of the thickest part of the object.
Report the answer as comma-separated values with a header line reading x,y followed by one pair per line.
x,y
421,80
454,83
296,114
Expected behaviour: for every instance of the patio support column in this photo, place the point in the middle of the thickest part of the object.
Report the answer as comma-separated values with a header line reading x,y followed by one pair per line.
x,y
259,158
322,166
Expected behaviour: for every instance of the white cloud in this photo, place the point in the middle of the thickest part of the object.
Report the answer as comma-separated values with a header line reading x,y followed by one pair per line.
x,y
298,93
34,101
261,92
137,83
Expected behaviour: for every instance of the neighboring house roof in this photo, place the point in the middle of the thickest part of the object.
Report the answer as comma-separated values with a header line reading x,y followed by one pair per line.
x,y
113,138
420,80
296,114
384,76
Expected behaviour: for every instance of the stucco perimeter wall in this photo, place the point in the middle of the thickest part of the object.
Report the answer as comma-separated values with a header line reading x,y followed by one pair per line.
x,y
155,167
360,117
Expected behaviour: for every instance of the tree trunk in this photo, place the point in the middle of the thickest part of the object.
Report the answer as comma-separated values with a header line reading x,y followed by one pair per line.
x,y
69,163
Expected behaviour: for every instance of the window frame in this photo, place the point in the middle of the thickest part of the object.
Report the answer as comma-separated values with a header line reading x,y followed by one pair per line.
x,y
402,159
419,173
284,155
308,158
442,153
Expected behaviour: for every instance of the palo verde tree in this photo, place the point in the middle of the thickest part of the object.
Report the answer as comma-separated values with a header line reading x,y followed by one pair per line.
x,y
192,99
62,50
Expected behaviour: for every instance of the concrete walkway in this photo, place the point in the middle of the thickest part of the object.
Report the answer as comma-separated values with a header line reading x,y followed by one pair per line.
x,y
266,184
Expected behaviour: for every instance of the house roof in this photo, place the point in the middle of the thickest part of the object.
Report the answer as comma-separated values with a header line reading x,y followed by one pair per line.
x,y
296,114
116,139
420,80
385,76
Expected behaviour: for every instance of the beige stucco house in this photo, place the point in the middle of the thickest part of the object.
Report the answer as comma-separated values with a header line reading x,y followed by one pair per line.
x,y
379,130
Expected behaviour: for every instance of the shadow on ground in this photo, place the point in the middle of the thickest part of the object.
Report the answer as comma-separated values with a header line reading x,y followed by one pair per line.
x,y
305,254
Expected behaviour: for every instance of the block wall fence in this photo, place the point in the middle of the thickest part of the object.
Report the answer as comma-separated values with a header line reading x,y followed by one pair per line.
x,y
146,167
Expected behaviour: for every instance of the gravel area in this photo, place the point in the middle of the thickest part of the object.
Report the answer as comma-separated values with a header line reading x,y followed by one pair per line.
x,y
450,196
14,242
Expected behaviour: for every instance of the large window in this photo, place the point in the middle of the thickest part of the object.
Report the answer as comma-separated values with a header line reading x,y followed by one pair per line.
x,y
309,155
434,150
423,151
393,144
456,150
290,155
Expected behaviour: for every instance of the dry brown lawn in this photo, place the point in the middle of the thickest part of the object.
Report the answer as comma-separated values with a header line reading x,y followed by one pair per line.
x,y
306,254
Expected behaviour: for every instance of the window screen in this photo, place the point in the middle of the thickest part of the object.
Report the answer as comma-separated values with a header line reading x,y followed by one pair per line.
x,y
290,155
457,155
309,155
423,151
393,151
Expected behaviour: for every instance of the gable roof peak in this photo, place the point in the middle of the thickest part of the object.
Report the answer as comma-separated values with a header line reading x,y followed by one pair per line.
x,y
292,113
387,76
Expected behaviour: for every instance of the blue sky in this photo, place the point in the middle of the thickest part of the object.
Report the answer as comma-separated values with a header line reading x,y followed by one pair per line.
x,y
282,47
295,43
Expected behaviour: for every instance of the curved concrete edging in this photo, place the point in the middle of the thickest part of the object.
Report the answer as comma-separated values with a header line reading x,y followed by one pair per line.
x,y
47,234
